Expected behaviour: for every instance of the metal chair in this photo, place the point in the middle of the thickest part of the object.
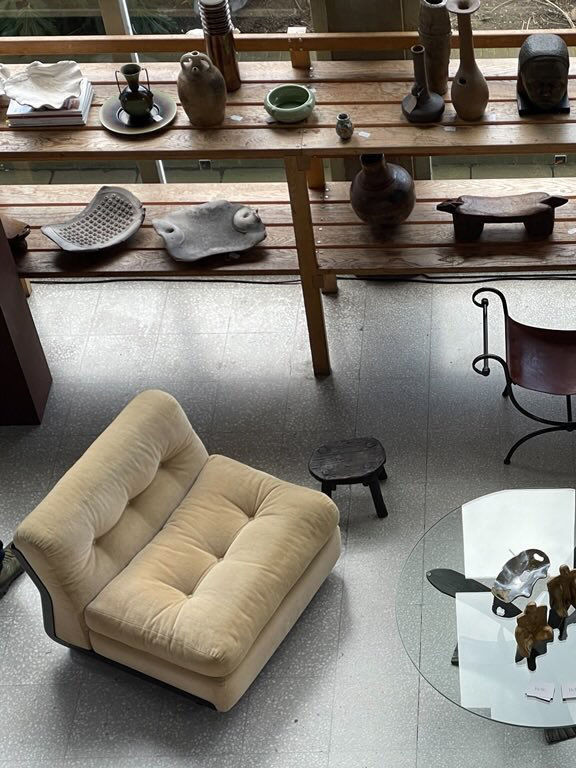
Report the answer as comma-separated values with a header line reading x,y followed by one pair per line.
x,y
540,359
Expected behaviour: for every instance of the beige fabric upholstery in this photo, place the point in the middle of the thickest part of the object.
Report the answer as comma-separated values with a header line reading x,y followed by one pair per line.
x,y
186,567
203,589
109,505
224,692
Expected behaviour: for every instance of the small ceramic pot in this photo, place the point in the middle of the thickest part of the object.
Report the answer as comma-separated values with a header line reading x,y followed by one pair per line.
x,y
344,127
290,103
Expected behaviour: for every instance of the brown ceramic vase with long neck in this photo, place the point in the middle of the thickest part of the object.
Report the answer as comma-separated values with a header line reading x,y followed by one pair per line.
x,y
469,87
421,105
382,194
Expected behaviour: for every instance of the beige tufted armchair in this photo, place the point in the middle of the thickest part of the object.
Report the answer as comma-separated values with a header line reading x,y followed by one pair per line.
x,y
187,567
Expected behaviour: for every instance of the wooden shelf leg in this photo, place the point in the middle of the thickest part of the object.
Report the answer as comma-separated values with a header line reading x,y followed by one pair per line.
x,y
316,177
299,57
26,286
302,218
329,284
24,375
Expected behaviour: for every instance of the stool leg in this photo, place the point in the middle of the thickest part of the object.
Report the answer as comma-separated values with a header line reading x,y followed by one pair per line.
x,y
383,475
327,488
374,486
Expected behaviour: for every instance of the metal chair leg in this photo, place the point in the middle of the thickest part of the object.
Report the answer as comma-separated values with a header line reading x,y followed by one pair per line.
x,y
506,391
524,439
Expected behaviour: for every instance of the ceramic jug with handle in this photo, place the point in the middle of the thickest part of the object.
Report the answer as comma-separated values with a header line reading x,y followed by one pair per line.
x,y
201,90
137,100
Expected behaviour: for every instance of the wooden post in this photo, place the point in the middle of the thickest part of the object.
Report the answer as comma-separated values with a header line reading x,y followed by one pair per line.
x,y
300,59
315,173
302,219
24,375
329,284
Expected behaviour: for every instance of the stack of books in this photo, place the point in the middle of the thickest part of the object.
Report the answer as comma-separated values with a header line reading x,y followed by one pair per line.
x,y
74,111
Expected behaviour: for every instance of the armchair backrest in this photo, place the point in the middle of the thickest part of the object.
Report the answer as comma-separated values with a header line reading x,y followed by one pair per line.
x,y
108,506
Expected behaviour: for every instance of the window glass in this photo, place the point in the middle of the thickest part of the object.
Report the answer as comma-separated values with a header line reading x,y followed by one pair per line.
x,y
250,16
21,18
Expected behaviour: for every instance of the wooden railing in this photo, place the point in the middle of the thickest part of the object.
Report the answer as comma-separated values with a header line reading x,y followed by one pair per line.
x,y
313,41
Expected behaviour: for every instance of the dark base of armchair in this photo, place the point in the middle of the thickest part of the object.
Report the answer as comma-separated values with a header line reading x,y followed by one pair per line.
x,y
142,676
48,617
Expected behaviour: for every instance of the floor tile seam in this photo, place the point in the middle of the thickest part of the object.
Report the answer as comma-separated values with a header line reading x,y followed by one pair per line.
x,y
245,725
358,376
160,319
340,623
64,435
287,378
94,311
210,428
11,618
79,685
362,348
428,400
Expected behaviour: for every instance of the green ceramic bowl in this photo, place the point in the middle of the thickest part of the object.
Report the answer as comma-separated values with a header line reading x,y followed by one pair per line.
x,y
290,103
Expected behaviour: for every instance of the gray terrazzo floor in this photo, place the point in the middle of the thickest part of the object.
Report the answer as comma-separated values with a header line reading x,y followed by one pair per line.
x,y
340,691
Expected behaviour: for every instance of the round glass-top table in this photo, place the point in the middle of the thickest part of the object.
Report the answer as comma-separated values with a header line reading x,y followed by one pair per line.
x,y
448,618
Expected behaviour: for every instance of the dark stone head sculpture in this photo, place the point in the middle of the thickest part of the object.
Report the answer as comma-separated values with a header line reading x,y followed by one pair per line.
x,y
543,66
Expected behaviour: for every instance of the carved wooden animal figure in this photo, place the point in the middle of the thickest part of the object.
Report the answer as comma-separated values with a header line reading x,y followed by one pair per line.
x,y
562,591
532,629
534,209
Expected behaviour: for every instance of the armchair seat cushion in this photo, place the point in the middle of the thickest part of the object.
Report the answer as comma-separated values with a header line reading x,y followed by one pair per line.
x,y
199,594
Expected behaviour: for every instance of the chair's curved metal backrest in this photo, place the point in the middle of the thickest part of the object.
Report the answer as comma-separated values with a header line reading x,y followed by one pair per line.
x,y
541,359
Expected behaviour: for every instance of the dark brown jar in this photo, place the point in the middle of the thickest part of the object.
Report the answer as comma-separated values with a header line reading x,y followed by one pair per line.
x,y
382,194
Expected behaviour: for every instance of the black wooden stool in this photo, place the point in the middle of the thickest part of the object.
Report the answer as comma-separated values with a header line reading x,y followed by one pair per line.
x,y
347,462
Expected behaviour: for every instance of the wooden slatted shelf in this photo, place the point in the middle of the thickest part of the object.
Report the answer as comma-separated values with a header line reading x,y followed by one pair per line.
x,y
371,92
424,243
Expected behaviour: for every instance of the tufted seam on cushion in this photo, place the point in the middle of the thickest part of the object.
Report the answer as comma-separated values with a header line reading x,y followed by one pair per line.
x,y
203,576
213,656
263,501
233,539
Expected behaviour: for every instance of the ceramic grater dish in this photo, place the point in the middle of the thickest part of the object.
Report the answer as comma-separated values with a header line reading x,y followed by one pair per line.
x,y
110,218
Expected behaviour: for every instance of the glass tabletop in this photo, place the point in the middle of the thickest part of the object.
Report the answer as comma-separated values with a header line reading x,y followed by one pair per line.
x,y
475,541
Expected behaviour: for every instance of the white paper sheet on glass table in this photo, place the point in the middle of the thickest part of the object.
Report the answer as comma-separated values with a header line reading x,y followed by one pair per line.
x,y
490,678
502,524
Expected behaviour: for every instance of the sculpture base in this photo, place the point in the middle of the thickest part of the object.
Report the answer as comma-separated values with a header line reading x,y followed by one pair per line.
x,y
428,111
526,107
539,649
561,624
